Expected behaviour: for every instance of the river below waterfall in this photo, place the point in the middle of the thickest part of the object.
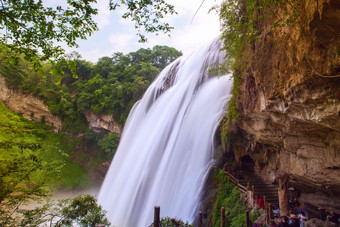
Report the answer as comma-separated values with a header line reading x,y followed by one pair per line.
x,y
167,145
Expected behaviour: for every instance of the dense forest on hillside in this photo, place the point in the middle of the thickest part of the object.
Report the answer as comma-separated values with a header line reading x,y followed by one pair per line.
x,y
111,86
33,159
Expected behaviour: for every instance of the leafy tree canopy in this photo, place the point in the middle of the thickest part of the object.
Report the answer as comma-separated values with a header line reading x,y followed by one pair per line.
x,y
32,160
111,86
30,26
82,210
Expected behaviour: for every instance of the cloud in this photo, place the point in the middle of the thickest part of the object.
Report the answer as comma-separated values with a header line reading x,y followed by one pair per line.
x,y
118,35
122,42
104,14
191,30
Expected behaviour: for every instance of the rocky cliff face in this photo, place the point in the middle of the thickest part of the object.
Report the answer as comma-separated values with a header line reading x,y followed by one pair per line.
x,y
34,109
102,121
290,104
29,106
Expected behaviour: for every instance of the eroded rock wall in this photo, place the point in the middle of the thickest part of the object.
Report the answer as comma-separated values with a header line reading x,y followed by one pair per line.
x,y
290,104
102,121
29,106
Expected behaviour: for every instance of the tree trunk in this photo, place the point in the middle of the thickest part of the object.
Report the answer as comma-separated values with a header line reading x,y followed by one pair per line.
x,y
283,194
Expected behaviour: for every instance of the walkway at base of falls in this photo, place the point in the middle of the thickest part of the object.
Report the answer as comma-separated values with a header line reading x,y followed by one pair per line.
x,y
253,186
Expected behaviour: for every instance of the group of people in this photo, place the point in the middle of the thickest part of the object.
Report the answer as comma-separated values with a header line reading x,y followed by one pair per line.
x,y
296,216
292,221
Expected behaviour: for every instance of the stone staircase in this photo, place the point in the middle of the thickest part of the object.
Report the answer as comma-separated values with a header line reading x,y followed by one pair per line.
x,y
261,187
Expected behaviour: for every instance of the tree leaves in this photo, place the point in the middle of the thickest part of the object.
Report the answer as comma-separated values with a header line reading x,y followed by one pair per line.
x,y
147,14
121,80
82,210
36,30
30,26
109,144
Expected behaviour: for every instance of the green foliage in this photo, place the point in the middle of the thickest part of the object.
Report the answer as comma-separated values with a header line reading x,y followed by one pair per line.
x,y
33,26
42,119
118,82
109,144
254,215
20,137
82,210
23,176
232,114
228,196
242,23
30,25
146,14
111,86
32,159
172,222
243,20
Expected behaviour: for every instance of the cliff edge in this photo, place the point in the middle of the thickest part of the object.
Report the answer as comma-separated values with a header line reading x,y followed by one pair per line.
x,y
289,104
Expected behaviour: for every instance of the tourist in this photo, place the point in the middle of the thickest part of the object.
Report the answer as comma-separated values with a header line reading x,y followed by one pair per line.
x,y
260,201
333,217
294,221
302,218
290,212
276,211
284,222
296,203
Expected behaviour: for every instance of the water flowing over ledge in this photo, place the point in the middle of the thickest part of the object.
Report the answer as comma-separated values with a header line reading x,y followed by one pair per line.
x,y
167,147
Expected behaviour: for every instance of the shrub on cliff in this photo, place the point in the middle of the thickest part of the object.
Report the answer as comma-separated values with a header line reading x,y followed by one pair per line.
x,y
228,196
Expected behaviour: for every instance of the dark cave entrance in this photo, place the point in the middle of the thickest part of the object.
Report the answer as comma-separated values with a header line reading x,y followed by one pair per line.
x,y
247,163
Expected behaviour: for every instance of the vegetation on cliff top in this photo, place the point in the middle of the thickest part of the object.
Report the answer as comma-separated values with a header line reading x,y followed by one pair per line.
x,y
242,23
33,26
111,86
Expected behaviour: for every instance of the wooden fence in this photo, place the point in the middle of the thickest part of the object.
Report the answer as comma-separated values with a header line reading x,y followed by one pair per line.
x,y
250,197
268,208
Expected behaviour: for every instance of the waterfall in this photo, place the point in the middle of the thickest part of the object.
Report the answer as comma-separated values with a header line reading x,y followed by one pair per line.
x,y
167,148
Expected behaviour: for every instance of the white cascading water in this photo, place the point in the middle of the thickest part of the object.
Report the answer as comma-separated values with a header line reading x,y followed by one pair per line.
x,y
167,146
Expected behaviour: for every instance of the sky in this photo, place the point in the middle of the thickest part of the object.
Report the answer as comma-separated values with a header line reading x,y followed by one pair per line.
x,y
118,35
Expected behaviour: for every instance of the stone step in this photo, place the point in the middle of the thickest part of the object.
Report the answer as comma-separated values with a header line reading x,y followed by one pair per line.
x,y
261,187
266,194
265,189
269,196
